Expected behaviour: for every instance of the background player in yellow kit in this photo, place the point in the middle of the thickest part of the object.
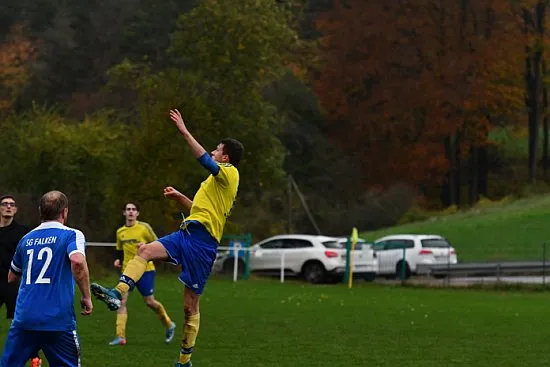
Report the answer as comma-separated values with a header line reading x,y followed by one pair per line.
x,y
194,246
128,238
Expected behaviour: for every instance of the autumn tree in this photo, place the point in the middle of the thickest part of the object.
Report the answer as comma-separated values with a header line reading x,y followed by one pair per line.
x,y
15,54
414,85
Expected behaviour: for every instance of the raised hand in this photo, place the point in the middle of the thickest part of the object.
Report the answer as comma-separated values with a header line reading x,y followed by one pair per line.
x,y
172,193
175,115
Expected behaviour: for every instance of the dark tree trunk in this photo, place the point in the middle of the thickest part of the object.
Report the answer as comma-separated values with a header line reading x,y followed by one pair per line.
x,y
534,23
458,166
483,171
474,176
451,189
545,161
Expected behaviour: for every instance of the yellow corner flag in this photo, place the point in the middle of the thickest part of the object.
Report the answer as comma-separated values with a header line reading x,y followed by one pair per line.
x,y
354,238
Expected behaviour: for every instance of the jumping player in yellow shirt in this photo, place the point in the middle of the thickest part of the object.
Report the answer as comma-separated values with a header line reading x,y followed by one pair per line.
x,y
194,245
128,238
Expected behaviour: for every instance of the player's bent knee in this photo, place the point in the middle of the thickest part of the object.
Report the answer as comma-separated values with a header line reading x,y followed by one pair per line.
x,y
144,251
153,251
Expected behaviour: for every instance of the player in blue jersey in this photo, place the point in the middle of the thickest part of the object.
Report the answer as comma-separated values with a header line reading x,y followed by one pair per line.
x,y
195,245
48,261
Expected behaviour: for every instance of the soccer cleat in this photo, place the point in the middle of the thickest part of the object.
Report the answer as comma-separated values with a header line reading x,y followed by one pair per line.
x,y
170,333
188,364
111,297
118,341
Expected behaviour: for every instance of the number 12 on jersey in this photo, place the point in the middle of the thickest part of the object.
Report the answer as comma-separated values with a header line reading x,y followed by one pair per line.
x,y
40,279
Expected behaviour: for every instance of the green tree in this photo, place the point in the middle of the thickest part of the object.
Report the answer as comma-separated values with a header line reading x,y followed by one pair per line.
x,y
45,152
223,55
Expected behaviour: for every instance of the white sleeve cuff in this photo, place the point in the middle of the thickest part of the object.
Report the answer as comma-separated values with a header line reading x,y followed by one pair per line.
x,y
77,251
15,269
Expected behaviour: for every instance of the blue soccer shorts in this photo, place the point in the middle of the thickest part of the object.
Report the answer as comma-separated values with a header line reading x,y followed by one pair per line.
x,y
61,348
146,284
194,248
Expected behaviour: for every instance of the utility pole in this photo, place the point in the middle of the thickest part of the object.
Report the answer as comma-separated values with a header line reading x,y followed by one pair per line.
x,y
304,204
289,205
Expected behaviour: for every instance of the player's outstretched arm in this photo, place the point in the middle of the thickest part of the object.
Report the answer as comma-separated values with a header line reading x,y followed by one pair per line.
x,y
195,146
79,267
174,194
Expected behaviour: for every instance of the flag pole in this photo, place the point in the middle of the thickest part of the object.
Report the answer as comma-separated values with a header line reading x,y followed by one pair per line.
x,y
354,239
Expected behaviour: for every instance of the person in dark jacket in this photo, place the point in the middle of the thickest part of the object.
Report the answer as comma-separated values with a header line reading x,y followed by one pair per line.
x,y
10,234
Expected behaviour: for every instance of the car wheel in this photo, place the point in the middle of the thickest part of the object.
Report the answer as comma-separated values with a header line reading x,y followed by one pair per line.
x,y
314,272
398,270
369,277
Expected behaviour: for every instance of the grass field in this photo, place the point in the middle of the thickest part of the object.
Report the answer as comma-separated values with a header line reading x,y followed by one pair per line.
x,y
513,231
263,323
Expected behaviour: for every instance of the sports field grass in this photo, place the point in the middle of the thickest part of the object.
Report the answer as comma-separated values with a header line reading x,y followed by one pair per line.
x,y
263,323
512,231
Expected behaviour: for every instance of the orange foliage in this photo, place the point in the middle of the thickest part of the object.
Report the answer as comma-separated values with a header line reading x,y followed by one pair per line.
x,y
401,75
15,54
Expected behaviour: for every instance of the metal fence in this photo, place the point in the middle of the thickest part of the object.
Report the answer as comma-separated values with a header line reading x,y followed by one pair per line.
x,y
533,270
101,256
233,262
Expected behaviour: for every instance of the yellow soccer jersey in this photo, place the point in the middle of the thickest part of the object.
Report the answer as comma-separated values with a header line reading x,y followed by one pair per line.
x,y
128,238
214,200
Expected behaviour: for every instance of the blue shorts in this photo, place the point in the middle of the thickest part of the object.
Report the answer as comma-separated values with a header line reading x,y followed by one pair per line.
x,y
146,284
61,348
195,250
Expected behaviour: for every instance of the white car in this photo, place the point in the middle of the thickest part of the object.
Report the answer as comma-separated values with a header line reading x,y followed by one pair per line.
x,y
414,249
315,258
368,257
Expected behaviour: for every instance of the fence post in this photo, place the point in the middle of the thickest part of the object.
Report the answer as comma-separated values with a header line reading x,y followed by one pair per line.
x,y
403,264
498,273
283,267
544,264
448,277
248,239
346,273
236,247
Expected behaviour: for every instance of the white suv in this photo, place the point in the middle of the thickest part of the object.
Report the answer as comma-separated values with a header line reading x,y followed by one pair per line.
x,y
419,249
316,258
368,257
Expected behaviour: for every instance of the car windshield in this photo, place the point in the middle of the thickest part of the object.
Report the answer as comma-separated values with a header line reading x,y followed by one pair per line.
x,y
435,243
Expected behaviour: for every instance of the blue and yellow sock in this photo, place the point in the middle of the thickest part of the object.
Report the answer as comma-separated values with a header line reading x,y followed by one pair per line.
x,y
190,331
132,274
